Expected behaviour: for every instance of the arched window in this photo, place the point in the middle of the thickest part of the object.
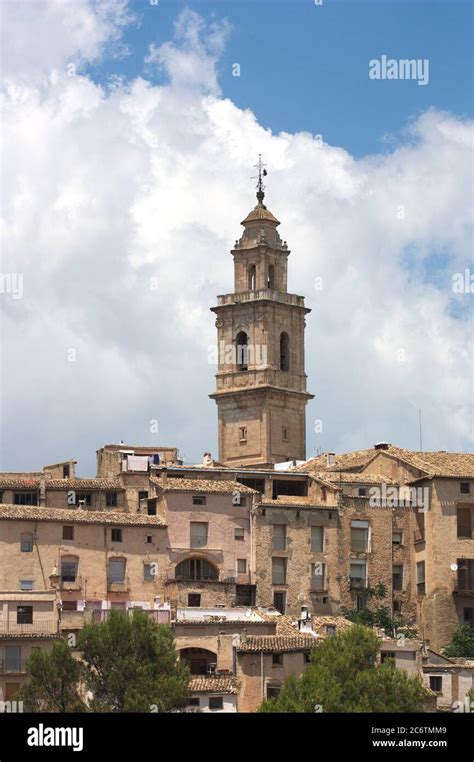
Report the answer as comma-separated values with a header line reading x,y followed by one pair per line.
x,y
284,351
271,277
242,351
252,278
195,568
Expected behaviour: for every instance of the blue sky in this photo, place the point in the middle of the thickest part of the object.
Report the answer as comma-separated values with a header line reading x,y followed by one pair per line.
x,y
305,67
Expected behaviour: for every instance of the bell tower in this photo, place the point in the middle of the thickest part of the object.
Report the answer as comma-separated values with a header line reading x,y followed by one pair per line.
x,y
261,381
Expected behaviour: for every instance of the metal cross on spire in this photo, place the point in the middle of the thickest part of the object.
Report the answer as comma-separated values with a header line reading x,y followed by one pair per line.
x,y
262,172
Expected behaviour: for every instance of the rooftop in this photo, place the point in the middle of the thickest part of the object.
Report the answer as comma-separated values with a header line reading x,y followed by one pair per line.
x,y
215,486
213,684
77,516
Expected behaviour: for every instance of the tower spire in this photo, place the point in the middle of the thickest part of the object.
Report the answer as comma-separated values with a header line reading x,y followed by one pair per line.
x,y
262,172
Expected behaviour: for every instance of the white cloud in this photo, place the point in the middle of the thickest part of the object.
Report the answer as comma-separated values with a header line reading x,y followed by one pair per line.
x,y
105,190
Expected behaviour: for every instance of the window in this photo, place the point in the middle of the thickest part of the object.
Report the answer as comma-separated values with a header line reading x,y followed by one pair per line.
x,y
196,568
149,571
358,573
25,498
26,584
199,500
198,533
307,657
279,601
68,533
464,521
397,537
84,497
111,499
216,703
277,660
69,606
239,534
469,616
242,434
26,542
284,351
271,277
149,539
66,472
465,574
318,577
24,614
420,578
284,433
194,599
242,351
362,491
317,539
278,571
116,535
279,536
330,629
193,701
116,570
360,603
465,488
397,577
436,683
360,536
12,658
273,691
142,495
68,569
252,279
397,607
241,566
387,655
151,507
256,484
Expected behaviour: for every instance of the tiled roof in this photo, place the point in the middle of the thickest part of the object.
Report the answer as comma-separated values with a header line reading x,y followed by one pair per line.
x,y
260,212
213,684
335,477
94,483
278,643
77,516
449,464
207,486
12,482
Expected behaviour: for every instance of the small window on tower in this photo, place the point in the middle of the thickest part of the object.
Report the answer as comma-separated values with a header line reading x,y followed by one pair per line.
x,y
284,351
242,351
242,434
285,433
252,278
271,277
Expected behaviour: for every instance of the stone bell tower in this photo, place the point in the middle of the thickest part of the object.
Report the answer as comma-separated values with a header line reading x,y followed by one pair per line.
x,y
261,381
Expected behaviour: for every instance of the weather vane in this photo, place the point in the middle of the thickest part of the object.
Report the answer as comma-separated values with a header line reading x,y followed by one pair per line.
x,y
262,172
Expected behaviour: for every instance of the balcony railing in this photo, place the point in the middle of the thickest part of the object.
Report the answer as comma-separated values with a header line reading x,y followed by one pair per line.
x,y
118,586
11,667
261,293
71,584
358,583
38,627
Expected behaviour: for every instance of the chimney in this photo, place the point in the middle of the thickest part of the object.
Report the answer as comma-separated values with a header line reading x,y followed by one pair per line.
x,y
331,459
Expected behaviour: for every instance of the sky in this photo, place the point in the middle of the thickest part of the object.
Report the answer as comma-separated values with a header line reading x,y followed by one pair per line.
x,y
130,131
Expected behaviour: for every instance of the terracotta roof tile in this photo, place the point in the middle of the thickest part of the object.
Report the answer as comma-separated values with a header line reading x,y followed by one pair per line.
x,y
12,482
77,516
208,486
260,212
89,484
278,643
213,684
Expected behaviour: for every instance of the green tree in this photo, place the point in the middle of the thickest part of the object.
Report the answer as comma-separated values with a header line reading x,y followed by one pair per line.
x,y
53,679
130,665
462,642
344,676
376,614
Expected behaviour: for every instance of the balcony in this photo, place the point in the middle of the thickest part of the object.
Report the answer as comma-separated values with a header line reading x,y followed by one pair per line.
x,y
68,583
118,586
262,293
39,627
463,588
418,535
358,583
11,667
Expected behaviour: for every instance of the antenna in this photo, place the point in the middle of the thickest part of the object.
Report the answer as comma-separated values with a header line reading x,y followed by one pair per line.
x,y
420,429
